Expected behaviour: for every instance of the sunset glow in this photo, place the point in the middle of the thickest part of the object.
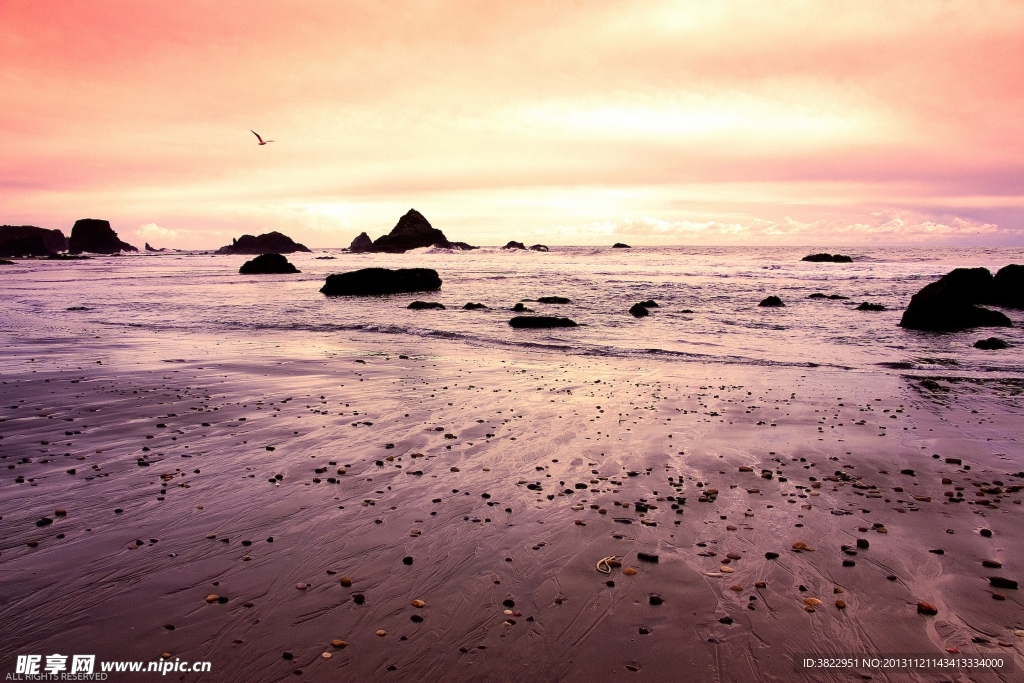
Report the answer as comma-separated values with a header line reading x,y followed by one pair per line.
x,y
574,123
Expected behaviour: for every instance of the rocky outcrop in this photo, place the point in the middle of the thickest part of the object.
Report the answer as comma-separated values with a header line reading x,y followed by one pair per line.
x,y
53,240
951,303
426,306
620,245
267,243
412,231
771,302
21,247
375,281
268,264
521,308
865,306
473,306
539,247
991,344
362,243
827,258
153,249
1009,286
5,262
540,322
553,300
650,303
96,237
512,244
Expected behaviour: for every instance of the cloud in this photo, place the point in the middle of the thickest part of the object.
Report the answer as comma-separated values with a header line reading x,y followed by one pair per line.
x,y
154,231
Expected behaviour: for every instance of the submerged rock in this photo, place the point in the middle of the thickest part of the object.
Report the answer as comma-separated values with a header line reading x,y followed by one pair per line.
x,y
771,301
361,243
553,300
514,245
539,247
375,281
865,306
620,245
425,305
521,308
827,258
97,237
540,322
638,310
991,344
267,243
268,264
470,306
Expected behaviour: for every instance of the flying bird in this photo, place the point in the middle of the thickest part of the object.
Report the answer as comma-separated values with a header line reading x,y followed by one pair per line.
x,y
262,141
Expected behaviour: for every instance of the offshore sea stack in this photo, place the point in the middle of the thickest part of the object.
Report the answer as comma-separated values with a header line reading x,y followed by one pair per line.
x,y
30,241
952,302
96,237
361,244
376,281
268,264
412,231
267,243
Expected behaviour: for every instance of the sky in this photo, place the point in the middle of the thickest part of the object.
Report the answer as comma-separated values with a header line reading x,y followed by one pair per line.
x,y
751,122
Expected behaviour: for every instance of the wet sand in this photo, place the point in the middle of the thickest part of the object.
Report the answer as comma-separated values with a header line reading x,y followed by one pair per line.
x,y
503,478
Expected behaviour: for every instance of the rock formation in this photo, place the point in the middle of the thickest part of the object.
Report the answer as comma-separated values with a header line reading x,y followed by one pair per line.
x,y
53,240
991,344
827,258
865,306
473,306
149,248
267,243
512,244
374,281
96,237
950,304
539,247
540,322
362,243
426,306
268,264
620,245
639,311
413,231
21,247
771,301
553,300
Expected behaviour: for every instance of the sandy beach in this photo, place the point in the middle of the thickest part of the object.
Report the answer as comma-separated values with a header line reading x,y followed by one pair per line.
x,y
219,492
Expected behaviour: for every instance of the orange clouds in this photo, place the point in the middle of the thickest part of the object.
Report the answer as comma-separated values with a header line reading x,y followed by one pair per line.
x,y
484,114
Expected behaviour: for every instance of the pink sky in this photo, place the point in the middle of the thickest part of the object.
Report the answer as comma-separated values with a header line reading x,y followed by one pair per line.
x,y
748,122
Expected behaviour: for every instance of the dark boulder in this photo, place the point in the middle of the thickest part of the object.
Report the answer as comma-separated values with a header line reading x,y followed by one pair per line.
x,y
865,306
426,305
412,231
361,243
950,304
472,306
149,248
771,301
373,281
539,247
521,308
53,240
650,303
5,262
268,264
29,245
96,237
540,322
514,245
817,295
639,310
1009,286
838,297
991,344
462,245
553,300
620,245
827,258
267,243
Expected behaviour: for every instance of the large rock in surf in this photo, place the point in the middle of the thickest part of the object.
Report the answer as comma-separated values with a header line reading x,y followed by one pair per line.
x,y
553,300
154,249
268,264
1009,286
771,302
512,244
639,311
426,306
53,240
96,237
374,281
950,304
620,245
362,243
827,258
991,344
540,322
539,247
413,231
21,247
267,243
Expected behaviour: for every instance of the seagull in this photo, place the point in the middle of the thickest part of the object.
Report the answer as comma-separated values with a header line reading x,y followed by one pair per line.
x,y
262,141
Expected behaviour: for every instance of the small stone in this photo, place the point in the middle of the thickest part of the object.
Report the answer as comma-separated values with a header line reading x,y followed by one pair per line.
x,y
991,564
771,556
629,571
987,533
812,602
418,603
1000,582
863,544
725,620
736,588
302,586
841,604
998,596
647,557
407,561
60,512
655,600
339,643
210,599
927,608
359,598
287,655
345,581
382,633
727,570
760,584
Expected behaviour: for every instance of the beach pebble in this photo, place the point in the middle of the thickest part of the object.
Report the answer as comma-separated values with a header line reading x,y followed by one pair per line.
x,y
760,584
382,633
734,556
1000,582
325,655
338,643
863,543
418,603
345,581
359,598
736,588
927,608
841,604
60,512
647,557
813,602
302,586
211,598
991,564
655,600
726,570
771,556
725,620
629,571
